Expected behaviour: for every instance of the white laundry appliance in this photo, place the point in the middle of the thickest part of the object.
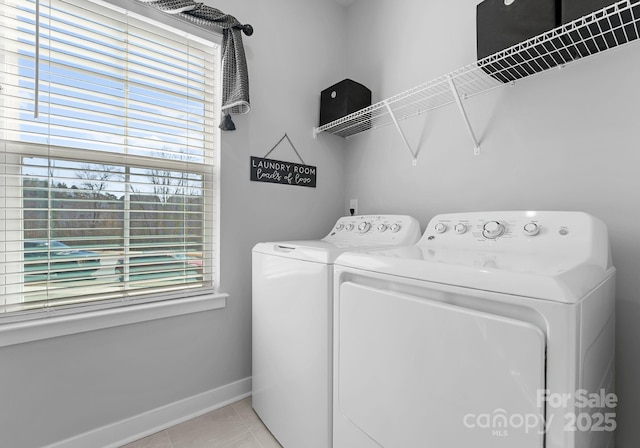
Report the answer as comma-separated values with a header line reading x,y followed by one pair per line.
x,y
292,324
496,330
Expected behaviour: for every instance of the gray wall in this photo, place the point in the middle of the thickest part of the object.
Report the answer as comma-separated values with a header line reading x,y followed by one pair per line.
x,y
55,389
291,59
562,140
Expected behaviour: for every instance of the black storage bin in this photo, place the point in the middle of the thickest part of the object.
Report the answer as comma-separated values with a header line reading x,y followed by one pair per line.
x,y
602,33
342,99
574,9
501,24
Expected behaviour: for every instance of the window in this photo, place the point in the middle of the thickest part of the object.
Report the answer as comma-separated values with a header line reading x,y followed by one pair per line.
x,y
110,192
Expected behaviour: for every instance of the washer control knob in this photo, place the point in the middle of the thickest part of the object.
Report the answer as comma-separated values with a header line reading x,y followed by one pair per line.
x,y
441,228
382,227
339,226
492,229
531,229
460,228
349,227
395,227
364,227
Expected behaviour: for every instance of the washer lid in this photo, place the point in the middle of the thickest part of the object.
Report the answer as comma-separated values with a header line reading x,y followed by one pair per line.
x,y
556,278
551,255
318,251
349,233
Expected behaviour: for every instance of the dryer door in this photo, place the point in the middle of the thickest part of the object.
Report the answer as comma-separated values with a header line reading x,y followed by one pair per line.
x,y
411,372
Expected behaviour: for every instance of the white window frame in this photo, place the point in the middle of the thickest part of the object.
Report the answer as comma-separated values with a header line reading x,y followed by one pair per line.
x,y
25,326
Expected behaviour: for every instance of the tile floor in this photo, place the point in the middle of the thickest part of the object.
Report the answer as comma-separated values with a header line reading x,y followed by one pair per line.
x,y
233,426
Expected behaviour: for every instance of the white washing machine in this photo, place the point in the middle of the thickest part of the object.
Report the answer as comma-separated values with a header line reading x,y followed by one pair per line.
x,y
496,330
292,326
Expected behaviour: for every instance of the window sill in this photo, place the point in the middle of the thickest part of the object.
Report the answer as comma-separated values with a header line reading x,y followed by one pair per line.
x,y
51,327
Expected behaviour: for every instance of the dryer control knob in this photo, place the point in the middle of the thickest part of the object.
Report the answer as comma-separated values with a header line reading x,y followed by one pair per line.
x,y
460,228
492,229
349,227
382,227
441,228
395,228
531,229
340,227
364,227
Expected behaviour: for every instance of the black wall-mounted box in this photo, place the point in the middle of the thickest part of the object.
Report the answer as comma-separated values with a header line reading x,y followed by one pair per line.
x,y
501,24
342,99
606,32
574,9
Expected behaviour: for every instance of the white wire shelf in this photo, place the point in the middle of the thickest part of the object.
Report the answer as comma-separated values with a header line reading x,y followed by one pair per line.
x,y
610,27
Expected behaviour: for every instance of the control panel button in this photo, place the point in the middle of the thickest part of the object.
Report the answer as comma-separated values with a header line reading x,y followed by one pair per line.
x,y
382,227
364,227
340,227
460,228
395,228
492,229
441,228
531,229
349,227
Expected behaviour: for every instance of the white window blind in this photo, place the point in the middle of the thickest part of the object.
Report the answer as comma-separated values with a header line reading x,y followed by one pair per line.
x,y
110,193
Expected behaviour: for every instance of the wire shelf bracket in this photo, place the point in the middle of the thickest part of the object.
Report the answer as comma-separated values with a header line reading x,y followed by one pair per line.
x,y
612,26
456,96
414,155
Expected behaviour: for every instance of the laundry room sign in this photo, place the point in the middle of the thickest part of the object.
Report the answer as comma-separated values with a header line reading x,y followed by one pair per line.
x,y
280,172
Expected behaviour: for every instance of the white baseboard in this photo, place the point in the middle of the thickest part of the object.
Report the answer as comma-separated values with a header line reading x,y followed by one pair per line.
x,y
125,431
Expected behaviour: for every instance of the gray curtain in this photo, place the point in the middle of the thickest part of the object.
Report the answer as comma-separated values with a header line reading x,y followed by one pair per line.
x,y
235,76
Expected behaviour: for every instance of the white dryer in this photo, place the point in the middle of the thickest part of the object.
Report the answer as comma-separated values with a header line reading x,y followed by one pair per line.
x,y
292,324
496,330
